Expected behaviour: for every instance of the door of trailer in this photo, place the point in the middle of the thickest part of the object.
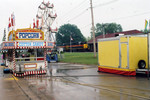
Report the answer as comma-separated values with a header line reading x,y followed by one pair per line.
x,y
124,55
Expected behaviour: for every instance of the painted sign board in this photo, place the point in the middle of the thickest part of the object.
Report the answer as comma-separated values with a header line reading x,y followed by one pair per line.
x,y
31,44
30,66
29,34
27,44
50,44
8,45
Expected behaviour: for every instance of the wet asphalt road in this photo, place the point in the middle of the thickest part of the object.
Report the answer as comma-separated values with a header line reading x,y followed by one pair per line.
x,y
74,82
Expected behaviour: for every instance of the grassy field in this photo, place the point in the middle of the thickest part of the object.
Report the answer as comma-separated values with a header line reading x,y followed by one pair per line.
x,y
79,58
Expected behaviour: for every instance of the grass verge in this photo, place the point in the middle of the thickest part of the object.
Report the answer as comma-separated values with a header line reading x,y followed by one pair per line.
x,y
79,58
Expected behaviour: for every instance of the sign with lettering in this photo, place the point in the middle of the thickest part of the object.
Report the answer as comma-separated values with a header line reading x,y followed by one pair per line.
x,y
29,34
32,44
28,66
50,44
8,45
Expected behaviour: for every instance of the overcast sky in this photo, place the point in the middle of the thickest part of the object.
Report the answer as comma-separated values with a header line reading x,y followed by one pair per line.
x,y
131,14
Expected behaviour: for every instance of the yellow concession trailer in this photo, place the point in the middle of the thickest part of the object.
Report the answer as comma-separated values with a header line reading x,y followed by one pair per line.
x,y
125,55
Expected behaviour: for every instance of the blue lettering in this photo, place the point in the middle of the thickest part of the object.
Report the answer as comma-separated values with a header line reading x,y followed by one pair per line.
x,y
8,44
27,35
50,44
38,44
24,44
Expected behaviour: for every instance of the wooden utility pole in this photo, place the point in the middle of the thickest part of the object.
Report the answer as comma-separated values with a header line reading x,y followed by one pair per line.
x,y
93,29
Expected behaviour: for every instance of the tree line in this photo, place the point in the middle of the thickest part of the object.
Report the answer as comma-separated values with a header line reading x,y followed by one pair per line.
x,y
71,33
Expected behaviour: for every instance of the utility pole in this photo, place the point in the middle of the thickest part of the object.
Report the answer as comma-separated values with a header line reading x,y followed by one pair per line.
x,y
93,29
103,30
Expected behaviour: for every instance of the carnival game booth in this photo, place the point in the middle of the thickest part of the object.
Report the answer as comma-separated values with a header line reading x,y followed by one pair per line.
x,y
26,52
125,55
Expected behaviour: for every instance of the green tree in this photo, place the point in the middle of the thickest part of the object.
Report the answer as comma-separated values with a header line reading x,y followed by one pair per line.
x,y
88,38
145,31
68,31
107,28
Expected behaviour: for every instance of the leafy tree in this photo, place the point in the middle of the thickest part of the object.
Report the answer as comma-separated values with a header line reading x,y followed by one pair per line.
x,y
68,31
107,28
88,38
145,31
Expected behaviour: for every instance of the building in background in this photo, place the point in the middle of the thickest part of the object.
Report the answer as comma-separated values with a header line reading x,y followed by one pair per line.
x,y
130,32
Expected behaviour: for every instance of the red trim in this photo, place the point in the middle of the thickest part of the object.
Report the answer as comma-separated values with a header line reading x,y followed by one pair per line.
x,y
71,46
40,58
30,73
120,72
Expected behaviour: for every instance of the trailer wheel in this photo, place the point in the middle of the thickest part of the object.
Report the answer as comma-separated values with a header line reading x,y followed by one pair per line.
x,y
141,64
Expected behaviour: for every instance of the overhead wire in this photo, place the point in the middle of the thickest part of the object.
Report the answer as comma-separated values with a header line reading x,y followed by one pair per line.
x,y
94,7
86,26
75,11
106,3
78,15
77,6
139,14
89,8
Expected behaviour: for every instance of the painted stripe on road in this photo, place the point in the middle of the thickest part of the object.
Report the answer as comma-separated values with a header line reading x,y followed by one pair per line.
x,y
15,77
9,79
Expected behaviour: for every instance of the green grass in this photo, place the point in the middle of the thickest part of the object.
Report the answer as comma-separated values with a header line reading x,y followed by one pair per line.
x,y
79,58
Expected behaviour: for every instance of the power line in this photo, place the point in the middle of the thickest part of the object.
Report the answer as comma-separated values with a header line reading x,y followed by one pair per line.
x,y
78,15
131,16
75,9
65,18
85,26
107,3
88,8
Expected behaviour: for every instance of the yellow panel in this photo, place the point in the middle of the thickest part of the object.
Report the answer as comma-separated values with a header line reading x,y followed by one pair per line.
x,y
123,55
137,51
109,53
123,39
85,46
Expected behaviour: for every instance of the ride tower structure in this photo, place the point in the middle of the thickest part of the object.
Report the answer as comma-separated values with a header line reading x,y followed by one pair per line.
x,y
46,16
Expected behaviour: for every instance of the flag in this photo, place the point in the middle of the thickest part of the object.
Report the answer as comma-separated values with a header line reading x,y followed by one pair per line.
x,y
37,23
146,23
33,23
71,38
149,24
9,24
12,19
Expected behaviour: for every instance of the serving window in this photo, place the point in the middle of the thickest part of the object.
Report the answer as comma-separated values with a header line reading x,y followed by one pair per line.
x,y
29,54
